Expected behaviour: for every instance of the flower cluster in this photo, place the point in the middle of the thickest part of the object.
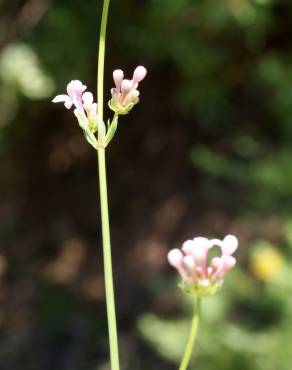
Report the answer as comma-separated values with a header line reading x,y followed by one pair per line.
x,y
125,95
85,110
203,275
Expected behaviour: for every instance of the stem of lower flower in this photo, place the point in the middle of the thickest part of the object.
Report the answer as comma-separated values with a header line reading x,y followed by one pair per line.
x,y
193,335
108,273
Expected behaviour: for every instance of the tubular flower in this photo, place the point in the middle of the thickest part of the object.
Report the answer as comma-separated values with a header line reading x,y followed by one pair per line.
x,y
85,111
125,94
200,274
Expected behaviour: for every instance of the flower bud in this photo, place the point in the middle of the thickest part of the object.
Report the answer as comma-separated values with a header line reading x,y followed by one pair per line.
x,y
230,244
189,264
132,97
118,76
126,87
87,99
175,257
230,262
139,74
216,262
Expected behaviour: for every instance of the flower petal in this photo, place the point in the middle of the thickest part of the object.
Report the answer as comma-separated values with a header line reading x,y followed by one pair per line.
x,y
60,98
68,103
75,87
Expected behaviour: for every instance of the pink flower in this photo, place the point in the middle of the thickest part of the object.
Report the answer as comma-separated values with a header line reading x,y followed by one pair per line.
x,y
202,275
74,89
86,114
125,95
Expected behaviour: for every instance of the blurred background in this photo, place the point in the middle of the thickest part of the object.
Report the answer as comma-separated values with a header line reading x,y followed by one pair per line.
x,y
207,151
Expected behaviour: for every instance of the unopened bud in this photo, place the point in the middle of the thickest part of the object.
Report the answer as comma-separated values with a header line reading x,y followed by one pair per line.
x,y
230,244
139,74
118,76
87,99
126,86
175,257
189,264
132,97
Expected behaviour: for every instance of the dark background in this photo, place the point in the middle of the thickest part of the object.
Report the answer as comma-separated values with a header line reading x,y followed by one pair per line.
x,y
207,151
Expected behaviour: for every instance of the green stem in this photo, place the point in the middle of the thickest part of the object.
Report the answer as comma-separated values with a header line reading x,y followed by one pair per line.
x,y
108,273
101,54
193,335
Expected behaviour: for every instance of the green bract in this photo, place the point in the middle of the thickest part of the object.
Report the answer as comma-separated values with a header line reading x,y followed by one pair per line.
x,y
118,108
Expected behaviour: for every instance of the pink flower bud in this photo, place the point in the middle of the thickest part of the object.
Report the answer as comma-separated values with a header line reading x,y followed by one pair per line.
x,y
175,257
126,86
201,242
139,74
87,99
189,264
229,244
188,247
132,97
216,262
200,256
118,76
229,263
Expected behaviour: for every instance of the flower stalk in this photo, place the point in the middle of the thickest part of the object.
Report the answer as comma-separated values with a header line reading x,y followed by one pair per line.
x,y
202,275
192,337
107,257
101,57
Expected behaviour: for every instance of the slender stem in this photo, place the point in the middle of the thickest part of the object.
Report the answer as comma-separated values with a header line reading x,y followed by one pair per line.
x,y
193,335
101,54
108,273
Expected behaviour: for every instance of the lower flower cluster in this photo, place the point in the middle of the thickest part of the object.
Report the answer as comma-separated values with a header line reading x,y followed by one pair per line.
x,y
201,274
